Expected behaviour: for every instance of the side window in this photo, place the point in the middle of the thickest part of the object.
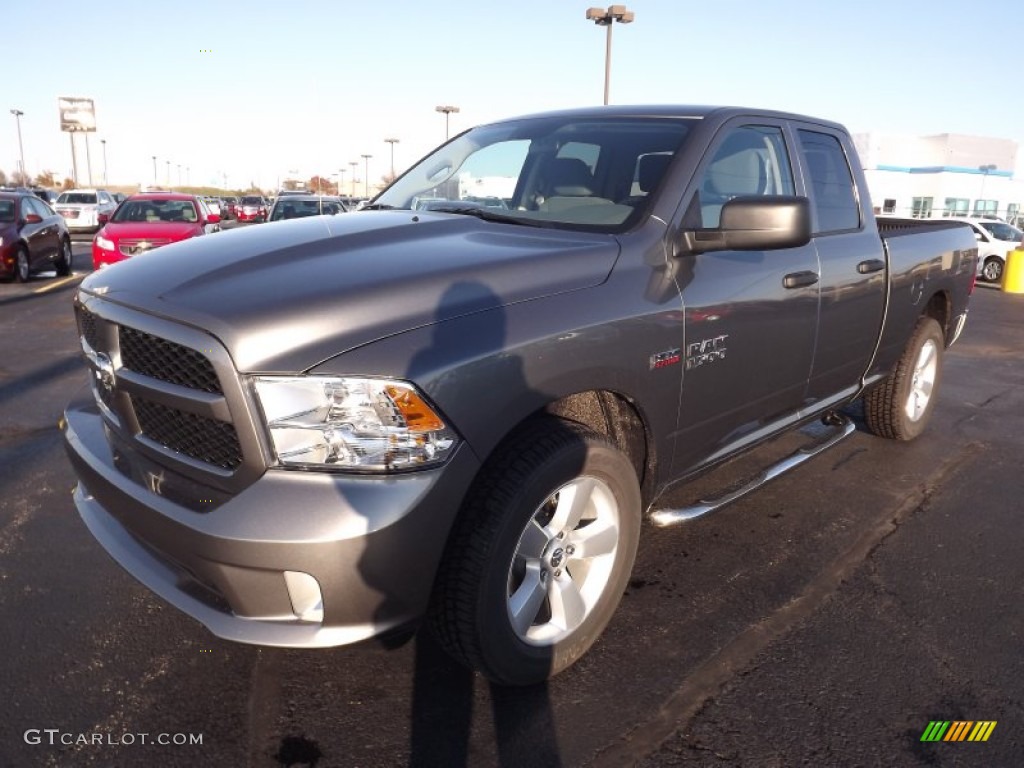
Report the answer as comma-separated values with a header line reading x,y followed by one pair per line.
x,y
751,160
834,201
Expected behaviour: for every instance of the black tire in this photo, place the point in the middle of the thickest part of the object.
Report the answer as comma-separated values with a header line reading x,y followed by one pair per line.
x,y
900,407
992,271
22,267
63,262
515,546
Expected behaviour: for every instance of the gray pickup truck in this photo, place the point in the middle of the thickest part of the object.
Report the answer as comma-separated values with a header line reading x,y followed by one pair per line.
x,y
459,414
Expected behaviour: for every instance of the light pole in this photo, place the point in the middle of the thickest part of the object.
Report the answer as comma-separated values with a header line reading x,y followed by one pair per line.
x,y
168,174
179,175
104,143
447,109
986,170
605,18
21,150
392,142
156,181
354,164
188,175
341,178
366,181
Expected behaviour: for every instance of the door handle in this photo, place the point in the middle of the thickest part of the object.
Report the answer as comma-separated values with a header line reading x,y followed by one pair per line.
x,y
800,279
871,265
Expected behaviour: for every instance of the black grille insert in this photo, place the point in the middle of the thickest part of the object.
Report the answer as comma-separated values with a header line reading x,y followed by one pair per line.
x,y
210,440
167,361
90,328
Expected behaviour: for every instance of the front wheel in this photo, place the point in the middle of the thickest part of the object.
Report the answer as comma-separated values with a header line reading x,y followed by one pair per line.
x,y
900,406
540,556
992,271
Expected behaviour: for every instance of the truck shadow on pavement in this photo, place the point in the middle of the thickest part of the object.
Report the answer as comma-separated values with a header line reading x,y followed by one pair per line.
x,y
442,702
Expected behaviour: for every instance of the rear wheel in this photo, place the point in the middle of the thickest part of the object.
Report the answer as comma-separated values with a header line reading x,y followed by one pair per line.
x,y
899,407
540,556
22,270
992,271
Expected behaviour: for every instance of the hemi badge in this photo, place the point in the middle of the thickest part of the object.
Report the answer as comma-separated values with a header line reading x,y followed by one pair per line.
x,y
665,359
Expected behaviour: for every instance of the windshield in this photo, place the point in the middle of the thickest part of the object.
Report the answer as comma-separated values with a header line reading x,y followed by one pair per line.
x,y
578,173
1001,231
77,198
156,211
252,201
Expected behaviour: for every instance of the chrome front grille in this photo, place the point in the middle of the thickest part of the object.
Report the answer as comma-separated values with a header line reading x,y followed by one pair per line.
x,y
135,247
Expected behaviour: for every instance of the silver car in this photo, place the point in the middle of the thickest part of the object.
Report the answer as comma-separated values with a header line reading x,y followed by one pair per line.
x,y
81,208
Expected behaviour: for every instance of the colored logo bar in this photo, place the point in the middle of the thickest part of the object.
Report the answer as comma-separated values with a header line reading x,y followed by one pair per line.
x,y
958,730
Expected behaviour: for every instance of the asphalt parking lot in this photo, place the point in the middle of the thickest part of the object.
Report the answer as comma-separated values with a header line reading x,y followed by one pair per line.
x,y
825,620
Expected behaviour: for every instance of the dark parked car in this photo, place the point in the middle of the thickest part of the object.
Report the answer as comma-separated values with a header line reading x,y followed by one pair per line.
x,y
300,206
33,237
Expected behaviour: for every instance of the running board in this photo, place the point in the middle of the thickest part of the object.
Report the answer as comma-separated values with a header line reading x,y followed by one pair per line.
x,y
842,428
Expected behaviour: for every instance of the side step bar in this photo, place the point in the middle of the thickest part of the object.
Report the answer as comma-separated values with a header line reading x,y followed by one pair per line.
x,y
842,428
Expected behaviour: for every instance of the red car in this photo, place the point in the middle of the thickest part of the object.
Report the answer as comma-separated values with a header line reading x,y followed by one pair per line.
x,y
147,221
251,208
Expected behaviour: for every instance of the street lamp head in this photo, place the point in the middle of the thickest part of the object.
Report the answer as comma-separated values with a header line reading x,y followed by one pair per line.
x,y
603,17
17,112
447,109
987,168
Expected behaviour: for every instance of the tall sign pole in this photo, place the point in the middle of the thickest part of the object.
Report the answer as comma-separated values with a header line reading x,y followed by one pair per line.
x,y
77,115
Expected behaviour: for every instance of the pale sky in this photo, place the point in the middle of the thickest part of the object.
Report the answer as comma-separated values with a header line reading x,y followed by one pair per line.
x,y
256,89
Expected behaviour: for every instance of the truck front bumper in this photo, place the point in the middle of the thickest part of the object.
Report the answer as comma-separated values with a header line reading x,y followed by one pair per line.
x,y
297,559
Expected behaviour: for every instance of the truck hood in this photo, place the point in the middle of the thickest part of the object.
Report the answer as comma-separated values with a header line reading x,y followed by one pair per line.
x,y
286,296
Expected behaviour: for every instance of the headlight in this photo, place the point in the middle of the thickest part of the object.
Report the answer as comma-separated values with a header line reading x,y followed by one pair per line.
x,y
102,242
377,425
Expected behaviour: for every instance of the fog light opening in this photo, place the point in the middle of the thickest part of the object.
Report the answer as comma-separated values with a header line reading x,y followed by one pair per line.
x,y
304,592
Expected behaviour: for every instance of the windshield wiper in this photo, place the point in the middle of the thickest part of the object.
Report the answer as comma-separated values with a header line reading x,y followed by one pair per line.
x,y
484,213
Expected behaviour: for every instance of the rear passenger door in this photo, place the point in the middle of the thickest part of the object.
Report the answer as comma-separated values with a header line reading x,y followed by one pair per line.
x,y
852,262
750,316
43,237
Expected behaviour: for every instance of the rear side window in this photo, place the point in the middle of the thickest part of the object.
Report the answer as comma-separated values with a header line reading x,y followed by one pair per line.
x,y
833,197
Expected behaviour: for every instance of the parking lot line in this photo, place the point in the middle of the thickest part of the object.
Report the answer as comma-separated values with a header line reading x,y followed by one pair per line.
x,y
57,283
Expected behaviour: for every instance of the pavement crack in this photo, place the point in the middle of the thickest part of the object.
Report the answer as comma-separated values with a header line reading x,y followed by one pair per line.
x,y
738,655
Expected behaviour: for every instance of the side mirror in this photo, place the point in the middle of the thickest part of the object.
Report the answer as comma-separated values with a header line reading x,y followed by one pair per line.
x,y
103,218
33,218
213,218
755,223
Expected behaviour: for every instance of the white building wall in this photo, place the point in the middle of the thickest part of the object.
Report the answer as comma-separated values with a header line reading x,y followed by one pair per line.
x,y
946,166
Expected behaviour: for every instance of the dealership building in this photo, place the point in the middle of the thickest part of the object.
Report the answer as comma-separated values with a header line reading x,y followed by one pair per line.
x,y
945,175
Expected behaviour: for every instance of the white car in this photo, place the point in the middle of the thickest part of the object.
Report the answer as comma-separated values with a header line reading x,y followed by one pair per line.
x,y
995,239
81,208
213,203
